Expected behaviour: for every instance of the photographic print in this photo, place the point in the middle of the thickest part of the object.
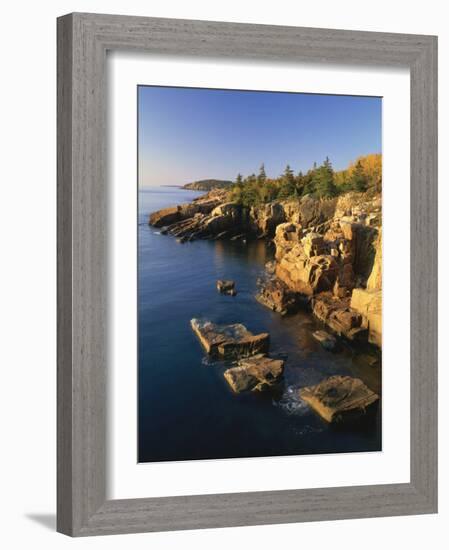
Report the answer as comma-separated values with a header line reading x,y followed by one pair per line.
x,y
259,273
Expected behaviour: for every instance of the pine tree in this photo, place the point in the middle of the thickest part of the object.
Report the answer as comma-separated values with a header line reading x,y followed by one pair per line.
x,y
324,180
237,189
289,174
287,187
262,177
358,181
299,184
319,181
309,183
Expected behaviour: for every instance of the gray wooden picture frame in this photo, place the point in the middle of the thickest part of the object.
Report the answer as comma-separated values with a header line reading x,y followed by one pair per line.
x,y
83,40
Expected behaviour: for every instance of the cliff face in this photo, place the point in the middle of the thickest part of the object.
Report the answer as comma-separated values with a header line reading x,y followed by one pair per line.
x,y
331,252
328,252
369,301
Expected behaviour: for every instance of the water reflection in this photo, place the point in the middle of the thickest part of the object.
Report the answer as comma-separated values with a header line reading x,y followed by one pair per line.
x,y
255,252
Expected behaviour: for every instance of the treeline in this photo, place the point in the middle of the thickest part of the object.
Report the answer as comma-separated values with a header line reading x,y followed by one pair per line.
x,y
320,181
207,185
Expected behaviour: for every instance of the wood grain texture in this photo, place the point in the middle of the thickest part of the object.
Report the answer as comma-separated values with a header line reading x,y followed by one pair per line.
x,y
64,277
424,272
83,40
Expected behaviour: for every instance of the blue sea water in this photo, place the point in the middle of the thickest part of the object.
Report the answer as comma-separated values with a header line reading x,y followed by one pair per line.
x,y
186,409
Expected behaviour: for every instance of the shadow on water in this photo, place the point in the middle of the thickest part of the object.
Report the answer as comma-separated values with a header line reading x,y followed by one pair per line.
x,y
186,409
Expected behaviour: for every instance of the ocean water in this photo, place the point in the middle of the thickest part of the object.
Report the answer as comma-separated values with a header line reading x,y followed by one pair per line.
x,y
186,409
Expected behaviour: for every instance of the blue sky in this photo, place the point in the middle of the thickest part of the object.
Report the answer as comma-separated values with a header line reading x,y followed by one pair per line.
x,y
187,134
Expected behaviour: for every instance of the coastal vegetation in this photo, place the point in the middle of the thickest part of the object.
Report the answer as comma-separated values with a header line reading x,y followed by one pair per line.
x,y
208,185
363,175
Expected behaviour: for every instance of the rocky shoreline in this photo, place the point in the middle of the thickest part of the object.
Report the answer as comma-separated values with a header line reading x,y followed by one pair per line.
x,y
328,259
328,253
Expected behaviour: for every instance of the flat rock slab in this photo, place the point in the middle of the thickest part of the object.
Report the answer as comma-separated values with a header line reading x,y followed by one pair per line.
x,y
229,341
256,373
340,398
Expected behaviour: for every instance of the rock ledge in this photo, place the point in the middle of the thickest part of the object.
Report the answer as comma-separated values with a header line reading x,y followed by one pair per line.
x,y
340,398
257,373
230,341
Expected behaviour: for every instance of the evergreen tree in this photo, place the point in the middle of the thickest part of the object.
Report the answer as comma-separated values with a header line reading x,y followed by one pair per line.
x,y
267,192
299,184
262,177
309,183
324,180
289,176
320,181
287,187
237,189
358,180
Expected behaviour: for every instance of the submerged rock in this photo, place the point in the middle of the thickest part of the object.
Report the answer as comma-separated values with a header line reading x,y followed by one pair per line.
x,y
240,237
340,398
256,373
328,341
226,287
229,341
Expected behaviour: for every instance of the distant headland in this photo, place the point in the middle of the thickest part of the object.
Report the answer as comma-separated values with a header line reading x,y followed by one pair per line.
x,y
207,185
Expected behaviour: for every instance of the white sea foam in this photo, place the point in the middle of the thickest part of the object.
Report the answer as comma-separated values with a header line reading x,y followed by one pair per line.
x,y
291,403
